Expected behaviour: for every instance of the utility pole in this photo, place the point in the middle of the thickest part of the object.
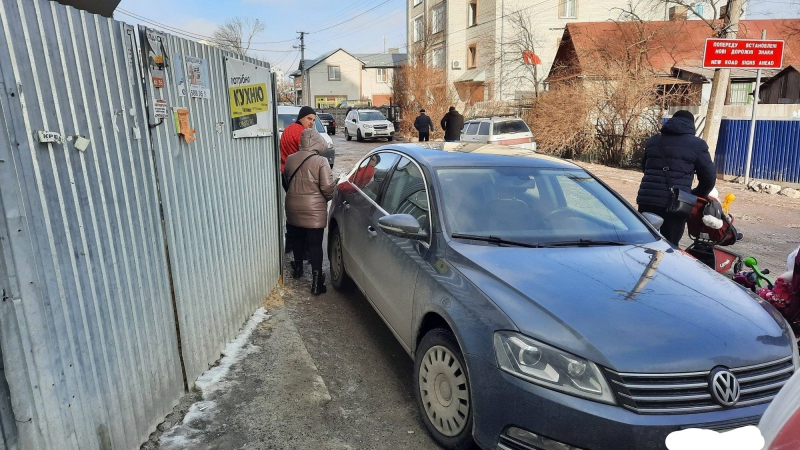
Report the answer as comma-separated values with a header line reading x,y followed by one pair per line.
x,y
303,68
722,78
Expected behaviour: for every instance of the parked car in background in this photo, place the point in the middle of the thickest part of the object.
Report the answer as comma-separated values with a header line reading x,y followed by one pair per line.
x,y
367,124
541,310
287,115
499,130
328,122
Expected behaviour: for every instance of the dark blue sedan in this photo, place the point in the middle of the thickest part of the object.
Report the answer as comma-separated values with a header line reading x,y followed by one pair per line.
x,y
541,310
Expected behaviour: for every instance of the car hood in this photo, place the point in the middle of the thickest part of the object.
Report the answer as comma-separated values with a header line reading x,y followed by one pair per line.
x,y
629,308
375,122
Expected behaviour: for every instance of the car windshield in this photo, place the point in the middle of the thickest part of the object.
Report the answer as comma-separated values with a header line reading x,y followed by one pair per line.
x,y
536,206
510,127
284,120
325,116
370,115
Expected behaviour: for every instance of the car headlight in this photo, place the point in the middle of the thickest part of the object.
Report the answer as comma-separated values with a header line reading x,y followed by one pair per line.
x,y
550,367
367,127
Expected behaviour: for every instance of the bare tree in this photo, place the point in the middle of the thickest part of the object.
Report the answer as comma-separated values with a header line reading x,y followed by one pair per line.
x,y
422,84
236,35
520,54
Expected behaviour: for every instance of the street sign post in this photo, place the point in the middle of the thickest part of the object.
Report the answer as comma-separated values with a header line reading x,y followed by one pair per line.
x,y
753,54
743,54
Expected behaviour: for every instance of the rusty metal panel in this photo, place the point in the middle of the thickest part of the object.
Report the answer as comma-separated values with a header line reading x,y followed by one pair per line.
x,y
776,154
88,332
220,208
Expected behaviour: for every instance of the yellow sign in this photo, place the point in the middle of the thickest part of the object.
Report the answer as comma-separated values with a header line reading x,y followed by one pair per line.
x,y
248,99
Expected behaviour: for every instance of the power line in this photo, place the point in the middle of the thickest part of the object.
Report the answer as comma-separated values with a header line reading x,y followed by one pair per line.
x,y
354,17
184,32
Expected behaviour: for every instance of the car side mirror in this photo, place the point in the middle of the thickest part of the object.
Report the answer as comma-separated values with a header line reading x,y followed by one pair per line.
x,y
655,220
402,226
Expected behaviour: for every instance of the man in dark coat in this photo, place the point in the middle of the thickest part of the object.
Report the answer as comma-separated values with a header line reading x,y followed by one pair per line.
x,y
424,125
677,151
452,123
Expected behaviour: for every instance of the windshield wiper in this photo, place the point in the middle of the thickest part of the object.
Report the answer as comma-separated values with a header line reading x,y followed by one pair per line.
x,y
494,240
581,243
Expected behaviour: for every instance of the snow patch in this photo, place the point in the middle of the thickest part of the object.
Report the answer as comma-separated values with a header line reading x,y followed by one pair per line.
x,y
237,349
199,418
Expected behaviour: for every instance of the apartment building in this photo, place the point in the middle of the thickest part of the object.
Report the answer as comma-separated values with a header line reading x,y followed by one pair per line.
x,y
480,45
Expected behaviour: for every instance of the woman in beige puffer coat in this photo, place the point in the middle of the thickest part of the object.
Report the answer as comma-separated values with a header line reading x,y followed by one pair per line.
x,y
310,189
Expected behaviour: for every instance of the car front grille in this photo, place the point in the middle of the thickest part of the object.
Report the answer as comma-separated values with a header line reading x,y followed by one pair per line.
x,y
380,127
681,393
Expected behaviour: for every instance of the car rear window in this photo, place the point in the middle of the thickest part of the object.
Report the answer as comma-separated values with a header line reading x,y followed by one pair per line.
x,y
325,116
511,127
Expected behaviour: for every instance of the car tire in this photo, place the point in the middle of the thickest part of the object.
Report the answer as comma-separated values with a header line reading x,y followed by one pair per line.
x,y
340,280
390,139
347,135
359,137
442,390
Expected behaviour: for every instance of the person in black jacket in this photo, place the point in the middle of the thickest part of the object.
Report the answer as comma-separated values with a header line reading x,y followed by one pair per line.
x,y
679,152
452,123
424,125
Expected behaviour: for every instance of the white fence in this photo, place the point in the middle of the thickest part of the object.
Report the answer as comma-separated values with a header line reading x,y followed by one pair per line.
x,y
115,256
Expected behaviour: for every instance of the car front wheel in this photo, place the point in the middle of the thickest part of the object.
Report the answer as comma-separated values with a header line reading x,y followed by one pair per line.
x,y
443,390
359,137
347,135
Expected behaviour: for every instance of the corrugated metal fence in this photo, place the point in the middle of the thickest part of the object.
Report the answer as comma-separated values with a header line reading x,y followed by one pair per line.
x,y
776,153
219,197
88,331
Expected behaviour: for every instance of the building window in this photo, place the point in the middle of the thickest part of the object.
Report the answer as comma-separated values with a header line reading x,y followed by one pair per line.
x,y
741,93
472,56
334,74
437,19
437,58
569,9
697,9
418,28
417,2
383,75
473,13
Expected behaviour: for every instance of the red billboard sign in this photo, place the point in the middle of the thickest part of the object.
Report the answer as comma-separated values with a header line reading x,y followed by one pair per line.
x,y
743,54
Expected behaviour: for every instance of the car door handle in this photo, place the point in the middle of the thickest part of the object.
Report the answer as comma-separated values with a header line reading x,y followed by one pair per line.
x,y
346,204
372,232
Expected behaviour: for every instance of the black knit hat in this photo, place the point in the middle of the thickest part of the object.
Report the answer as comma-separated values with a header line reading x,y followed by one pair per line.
x,y
684,113
304,111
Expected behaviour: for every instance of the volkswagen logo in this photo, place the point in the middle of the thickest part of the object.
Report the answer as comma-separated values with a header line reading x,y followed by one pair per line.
x,y
724,387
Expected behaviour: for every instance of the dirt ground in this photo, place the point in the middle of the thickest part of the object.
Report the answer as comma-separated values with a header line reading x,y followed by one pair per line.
x,y
770,223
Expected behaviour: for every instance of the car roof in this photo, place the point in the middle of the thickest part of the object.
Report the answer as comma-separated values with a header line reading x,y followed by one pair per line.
x,y
368,110
459,154
496,119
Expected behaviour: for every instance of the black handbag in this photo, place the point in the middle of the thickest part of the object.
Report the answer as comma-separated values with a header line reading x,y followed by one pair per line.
x,y
680,202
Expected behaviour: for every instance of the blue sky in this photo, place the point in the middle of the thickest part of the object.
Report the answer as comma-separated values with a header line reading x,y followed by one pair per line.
x,y
363,34
366,23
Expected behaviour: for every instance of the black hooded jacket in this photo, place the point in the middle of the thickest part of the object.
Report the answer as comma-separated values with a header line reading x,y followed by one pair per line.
x,y
452,123
685,154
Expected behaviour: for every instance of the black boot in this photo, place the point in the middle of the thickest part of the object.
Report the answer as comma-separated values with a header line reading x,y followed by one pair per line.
x,y
297,269
318,282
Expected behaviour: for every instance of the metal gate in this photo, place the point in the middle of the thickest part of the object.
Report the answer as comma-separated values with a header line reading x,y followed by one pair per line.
x,y
98,279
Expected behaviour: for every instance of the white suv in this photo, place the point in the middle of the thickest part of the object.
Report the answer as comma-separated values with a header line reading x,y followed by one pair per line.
x,y
499,130
367,124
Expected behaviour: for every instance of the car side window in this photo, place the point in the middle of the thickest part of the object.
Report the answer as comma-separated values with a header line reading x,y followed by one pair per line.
x,y
483,130
372,173
406,193
472,128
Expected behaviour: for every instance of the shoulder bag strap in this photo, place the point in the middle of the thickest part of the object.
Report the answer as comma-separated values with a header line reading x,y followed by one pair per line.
x,y
666,168
289,183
